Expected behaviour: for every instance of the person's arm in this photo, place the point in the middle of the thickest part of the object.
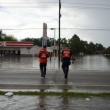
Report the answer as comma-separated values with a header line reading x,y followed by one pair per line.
x,y
72,57
47,54
61,55
71,54
39,54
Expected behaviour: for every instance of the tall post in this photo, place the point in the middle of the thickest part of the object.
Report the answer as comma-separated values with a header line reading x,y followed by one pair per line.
x,y
54,40
0,35
59,32
1,43
44,38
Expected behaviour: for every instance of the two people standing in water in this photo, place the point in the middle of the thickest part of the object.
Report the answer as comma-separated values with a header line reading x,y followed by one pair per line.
x,y
66,55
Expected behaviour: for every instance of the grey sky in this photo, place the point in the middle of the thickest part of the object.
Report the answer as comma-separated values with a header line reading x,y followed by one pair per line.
x,y
89,19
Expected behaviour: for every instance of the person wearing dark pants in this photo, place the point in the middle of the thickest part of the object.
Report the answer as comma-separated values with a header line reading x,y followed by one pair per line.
x,y
65,67
43,69
43,55
66,57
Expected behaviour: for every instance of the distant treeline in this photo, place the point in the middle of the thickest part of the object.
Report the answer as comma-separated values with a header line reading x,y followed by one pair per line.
x,y
76,44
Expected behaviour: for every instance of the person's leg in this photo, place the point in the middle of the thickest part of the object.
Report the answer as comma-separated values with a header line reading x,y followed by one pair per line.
x,y
41,69
44,69
66,71
64,67
67,68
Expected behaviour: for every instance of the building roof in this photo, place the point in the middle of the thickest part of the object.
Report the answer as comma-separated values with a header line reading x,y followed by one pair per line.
x,y
16,44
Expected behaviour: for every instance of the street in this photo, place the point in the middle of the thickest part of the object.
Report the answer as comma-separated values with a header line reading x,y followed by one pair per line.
x,y
77,80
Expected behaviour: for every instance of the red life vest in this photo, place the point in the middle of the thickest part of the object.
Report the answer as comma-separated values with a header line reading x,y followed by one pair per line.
x,y
43,55
66,53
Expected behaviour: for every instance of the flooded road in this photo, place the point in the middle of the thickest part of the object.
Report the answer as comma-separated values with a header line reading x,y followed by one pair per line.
x,y
94,62
53,103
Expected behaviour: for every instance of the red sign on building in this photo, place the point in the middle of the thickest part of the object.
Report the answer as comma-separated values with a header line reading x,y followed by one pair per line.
x,y
16,44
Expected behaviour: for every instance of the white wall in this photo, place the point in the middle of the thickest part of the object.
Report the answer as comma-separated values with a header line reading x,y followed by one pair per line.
x,y
35,50
49,49
30,51
25,50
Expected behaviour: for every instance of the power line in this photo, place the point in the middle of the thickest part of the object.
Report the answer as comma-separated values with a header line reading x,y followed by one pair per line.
x,y
75,28
30,3
72,3
20,28
28,6
89,29
79,7
68,4
86,7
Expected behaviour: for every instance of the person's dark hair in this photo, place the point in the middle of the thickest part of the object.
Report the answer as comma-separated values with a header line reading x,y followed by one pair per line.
x,y
67,45
44,46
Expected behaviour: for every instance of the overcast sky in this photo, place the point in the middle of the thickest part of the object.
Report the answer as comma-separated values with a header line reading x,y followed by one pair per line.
x,y
89,19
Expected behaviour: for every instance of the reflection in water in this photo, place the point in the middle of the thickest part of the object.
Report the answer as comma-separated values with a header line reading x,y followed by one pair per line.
x,y
93,62
42,102
66,85
43,80
65,103
53,103
65,100
66,81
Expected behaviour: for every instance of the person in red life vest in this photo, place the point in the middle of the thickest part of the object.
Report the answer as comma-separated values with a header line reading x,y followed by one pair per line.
x,y
66,57
43,55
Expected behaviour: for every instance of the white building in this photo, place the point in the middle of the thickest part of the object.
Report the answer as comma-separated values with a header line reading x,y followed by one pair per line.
x,y
23,49
17,48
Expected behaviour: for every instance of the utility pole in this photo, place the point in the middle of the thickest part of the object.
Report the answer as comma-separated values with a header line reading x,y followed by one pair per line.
x,y
0,35
54,39
44,38
59,31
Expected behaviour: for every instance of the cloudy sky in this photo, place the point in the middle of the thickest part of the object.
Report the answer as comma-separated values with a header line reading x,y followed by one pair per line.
x,y
89,19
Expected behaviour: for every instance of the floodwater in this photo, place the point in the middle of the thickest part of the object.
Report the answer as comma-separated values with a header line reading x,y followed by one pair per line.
x,y
16,102
94,62
53,103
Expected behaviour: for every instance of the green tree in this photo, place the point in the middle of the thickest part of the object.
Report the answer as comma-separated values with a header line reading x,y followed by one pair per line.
x,y
50,42
75,44
1,39
107,51
91,48
99,47
28,39
63,41
37,41
83,46
8,38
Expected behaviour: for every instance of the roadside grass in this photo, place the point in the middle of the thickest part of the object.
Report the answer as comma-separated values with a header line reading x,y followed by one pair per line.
x,y
69,94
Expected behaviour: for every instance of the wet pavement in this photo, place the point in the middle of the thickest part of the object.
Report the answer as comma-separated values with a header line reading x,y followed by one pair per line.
x,y
85,81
